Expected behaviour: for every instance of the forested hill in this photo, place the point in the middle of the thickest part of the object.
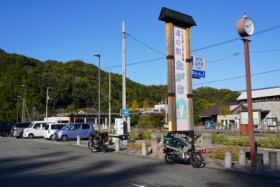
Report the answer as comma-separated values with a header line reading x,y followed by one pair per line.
x,y
74,85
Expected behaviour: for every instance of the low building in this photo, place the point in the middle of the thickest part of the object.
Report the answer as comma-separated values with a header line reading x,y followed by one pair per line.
x,y
265,105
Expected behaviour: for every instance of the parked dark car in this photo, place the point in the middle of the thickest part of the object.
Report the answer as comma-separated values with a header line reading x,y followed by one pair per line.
x,y
5,128
17,129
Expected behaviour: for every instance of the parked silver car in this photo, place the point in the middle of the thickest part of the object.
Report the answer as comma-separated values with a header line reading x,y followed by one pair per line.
x,y
17,129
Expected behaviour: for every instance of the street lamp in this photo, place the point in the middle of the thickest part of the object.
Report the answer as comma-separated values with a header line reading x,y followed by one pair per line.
x,y
109,100
17,106
98,56
23,104
47,101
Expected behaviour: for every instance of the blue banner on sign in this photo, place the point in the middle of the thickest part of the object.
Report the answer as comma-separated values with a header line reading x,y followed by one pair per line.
x,y
198,74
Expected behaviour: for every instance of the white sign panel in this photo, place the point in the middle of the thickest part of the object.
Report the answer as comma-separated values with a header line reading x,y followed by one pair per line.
x,y
198,67
256,118
180,78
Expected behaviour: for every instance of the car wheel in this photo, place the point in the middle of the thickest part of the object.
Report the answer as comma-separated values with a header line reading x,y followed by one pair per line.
x,y
30,136
52,137
5,134
64,138
21,135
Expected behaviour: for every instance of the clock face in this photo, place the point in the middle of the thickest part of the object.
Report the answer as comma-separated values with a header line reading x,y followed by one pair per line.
x,y
249,26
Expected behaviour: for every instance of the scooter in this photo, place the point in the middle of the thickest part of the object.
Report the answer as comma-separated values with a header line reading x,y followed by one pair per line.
x,y
179,147
98,142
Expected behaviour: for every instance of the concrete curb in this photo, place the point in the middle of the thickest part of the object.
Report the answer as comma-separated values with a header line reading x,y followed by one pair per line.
x,y
210,163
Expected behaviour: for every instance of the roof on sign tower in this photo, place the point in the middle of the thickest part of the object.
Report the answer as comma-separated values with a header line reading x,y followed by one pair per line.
x,y
177,18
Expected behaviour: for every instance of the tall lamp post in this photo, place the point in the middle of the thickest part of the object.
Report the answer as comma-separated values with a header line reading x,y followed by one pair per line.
x,y
245,28
17,106
23,104
110,99
47,102
98,56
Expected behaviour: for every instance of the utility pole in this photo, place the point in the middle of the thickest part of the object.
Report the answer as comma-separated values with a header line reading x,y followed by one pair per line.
x,y
23,104
47,102
17,107
33,113
124,76
110,99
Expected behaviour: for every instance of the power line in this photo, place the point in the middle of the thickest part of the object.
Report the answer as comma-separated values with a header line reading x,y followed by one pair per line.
x,y
147,46
217,44
136,63
224,58
199,49
238,53
238,77
235,39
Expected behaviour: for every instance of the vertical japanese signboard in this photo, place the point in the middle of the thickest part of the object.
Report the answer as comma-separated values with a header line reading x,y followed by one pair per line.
x,y
180,78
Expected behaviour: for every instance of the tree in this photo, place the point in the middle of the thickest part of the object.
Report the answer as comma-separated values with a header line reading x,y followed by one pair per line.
x,y
134,105
224,111
146,104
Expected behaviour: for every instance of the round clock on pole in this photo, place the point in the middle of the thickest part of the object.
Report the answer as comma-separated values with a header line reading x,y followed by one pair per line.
x,y
245,26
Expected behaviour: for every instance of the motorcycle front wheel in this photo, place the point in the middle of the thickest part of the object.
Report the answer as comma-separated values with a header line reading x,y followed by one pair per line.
x,y
196,160
90,146
168,158
104,148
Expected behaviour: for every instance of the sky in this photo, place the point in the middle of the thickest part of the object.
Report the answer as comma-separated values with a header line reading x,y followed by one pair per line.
x,y
65,30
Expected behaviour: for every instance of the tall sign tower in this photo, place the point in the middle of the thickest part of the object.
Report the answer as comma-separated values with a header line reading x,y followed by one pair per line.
x,y
179,69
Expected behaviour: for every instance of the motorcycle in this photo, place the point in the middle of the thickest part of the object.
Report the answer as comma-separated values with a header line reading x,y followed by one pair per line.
x,y
98,141
179,147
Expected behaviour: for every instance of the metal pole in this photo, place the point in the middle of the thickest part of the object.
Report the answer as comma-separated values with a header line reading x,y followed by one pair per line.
x,y
33,113
17,107
124,74
189,95
98,56
47,102
99,91
171,76
249,102
23,104
109,99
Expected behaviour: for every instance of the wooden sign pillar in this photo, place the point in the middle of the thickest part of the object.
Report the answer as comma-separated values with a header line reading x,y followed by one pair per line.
x,y
179,69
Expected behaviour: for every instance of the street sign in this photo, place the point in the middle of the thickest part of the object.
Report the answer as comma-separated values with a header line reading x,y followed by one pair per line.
x,y
126,112
198,67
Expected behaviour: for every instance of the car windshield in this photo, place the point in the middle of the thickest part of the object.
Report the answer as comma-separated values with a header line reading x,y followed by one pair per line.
x,y
30,125
66,127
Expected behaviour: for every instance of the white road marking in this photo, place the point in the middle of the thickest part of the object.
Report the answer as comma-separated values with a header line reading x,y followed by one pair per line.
x,y
138,185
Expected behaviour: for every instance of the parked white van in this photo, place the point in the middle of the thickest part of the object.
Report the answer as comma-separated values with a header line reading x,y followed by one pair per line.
x,y
51,128
35,129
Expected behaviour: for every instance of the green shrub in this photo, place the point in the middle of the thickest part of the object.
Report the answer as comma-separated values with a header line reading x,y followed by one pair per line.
x,y
219,153
270,142
240,141
243,141
219,138
152,121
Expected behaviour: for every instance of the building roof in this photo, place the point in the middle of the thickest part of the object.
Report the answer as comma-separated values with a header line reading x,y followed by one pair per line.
x,y
259,93
214,110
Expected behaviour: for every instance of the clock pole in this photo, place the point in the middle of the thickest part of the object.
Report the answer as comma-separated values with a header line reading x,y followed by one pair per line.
x,y
249,103
245,28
